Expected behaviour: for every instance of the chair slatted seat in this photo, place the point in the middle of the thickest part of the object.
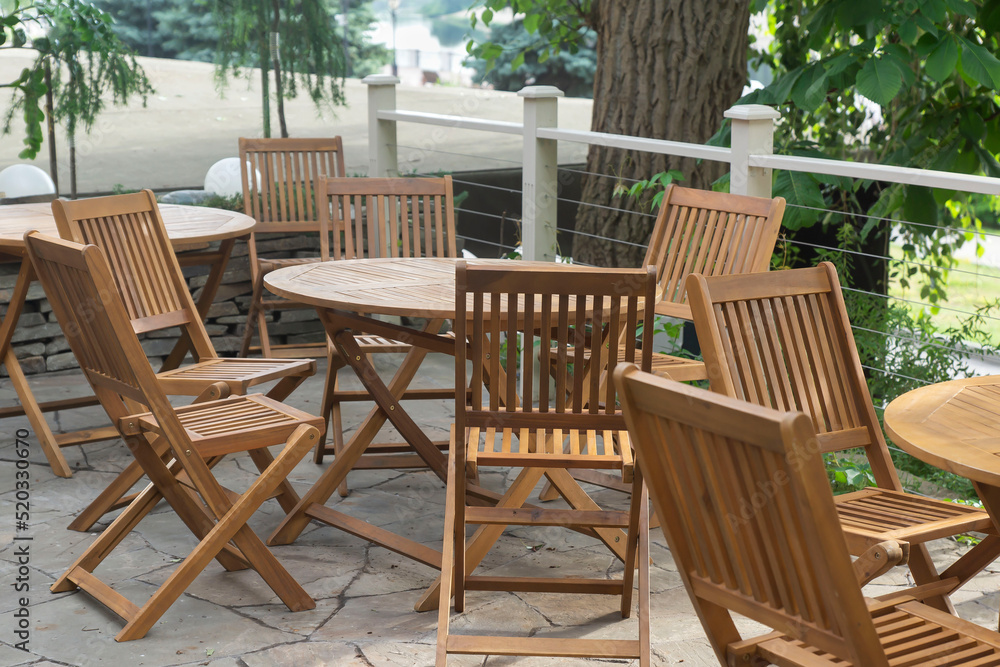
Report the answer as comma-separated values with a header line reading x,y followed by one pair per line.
x,y
561,430
776,556
170,445
279,180
783,340
381,218
130,231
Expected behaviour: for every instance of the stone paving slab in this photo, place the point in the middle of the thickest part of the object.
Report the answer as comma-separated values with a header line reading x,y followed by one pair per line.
x,y
364,594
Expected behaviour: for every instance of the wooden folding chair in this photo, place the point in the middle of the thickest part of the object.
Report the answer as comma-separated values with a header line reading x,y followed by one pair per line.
x,y
279,176
752,526
574,313
130,231
783,340
85,300
373,218
711,233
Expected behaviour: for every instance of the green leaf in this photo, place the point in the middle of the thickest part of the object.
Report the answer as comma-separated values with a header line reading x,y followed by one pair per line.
x,y
972,126
853,13
908,32
799,190
518,61
487,16
942,60
531,22
926,24
935,10
963,7
989,164
804,95
816,92
992,141
919,205
980,64
781,87
879,80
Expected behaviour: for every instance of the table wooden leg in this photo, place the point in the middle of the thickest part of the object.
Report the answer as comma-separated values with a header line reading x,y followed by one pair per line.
x,y
46,440
297,520
218,260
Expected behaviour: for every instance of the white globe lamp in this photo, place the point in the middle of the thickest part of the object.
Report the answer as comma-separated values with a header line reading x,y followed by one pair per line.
x,y
224,178
25,180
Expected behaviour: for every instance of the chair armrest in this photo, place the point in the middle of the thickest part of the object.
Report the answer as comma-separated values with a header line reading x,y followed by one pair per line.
x,y
878,560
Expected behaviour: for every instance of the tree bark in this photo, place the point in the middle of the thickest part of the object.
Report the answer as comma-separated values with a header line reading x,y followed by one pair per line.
x,y
50,126
276,64
666,69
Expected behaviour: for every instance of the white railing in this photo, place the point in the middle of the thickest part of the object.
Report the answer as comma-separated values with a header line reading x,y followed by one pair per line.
x,y
751,159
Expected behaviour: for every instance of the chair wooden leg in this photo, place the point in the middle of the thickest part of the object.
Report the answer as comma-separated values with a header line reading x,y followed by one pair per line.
x,y
147,499
924,572
573,493
252,316
486,535
329,387
232,526
287,497
46,439
448,551
632,547
643,563
112,497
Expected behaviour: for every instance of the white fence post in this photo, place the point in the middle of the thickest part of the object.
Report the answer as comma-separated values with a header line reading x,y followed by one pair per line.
x,y
540,176
753,134
382,160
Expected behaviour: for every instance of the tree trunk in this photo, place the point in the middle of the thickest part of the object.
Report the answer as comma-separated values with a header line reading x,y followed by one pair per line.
x,y
276,64
264,62
50,125
666,69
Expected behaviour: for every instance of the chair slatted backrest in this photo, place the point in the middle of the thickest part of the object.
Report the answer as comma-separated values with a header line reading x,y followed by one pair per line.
x,y
388,217
88,306
130,231
566,315
742,496
783,340
279,176
712,233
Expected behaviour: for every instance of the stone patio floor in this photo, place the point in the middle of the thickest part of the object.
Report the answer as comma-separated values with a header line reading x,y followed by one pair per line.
x,y
364,594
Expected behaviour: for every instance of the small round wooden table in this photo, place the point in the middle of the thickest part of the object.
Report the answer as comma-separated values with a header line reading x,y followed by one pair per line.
x,y
187,227
955,426
345,293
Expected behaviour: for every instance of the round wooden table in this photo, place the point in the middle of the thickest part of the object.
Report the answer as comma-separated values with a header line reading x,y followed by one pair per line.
x,y
410,287
955,426
345,293
187,226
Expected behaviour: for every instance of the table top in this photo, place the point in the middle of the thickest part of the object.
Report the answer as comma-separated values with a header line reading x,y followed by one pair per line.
x,y
953,425
186,225
414,287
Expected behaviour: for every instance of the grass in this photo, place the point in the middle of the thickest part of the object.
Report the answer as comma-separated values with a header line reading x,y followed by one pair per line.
x,y
971,285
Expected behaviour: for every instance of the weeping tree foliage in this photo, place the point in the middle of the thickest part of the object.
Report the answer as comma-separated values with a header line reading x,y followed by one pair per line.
x,y
298,40
80,64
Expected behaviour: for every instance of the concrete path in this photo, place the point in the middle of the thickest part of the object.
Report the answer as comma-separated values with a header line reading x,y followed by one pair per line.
x,y
365,595
186,127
